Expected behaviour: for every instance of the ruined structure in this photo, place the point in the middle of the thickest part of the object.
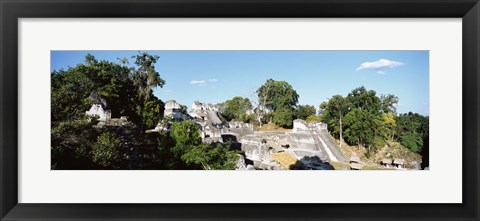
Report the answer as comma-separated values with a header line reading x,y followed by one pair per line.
x,y
99,108
399,163
386,163
173,109
307,146
301,125
198,106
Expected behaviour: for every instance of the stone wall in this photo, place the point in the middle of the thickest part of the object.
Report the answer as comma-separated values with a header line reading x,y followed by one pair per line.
x,y
301,125
97,110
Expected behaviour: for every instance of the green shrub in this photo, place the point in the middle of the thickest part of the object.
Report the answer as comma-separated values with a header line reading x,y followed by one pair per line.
x,y
106,152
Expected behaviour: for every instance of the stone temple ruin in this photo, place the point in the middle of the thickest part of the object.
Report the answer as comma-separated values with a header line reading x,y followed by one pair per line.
x,y
173,109
307,146
100,109
213,128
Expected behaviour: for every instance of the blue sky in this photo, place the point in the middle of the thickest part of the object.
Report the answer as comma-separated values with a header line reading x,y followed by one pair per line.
x,y
215,76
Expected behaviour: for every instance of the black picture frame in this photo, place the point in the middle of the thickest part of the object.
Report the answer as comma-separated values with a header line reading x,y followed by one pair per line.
x,y
11,11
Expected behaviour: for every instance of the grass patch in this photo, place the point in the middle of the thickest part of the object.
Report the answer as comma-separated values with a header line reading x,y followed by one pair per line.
x,y
272,127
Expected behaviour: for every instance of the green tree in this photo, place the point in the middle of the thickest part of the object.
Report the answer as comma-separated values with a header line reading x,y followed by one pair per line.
x,y
212,157
314,118
412,141
303,111
284,117
197,155
411,129
389,125
358,127
277,94
280,99
389,103
186,135
334,110
112,84
106,152
71,144
236,109
145,78
364,99
361,127
183,109
69,95
153,112
71,90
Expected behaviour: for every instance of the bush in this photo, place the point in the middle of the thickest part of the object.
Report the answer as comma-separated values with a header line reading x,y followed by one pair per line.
x,y
71,143
314,118
106,152
211,157
283,117
412,141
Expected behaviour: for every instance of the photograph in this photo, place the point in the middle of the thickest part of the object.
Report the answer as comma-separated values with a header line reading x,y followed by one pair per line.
x,y
310,110
239,110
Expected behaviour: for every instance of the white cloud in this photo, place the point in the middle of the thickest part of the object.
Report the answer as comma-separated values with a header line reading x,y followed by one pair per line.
x,y
199,82
167,91
203,82
379,65
381,72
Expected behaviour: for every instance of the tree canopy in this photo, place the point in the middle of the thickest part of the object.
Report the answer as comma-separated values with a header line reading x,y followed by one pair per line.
x,y
277,94
362,118
236,108
304,111
195,154
280,99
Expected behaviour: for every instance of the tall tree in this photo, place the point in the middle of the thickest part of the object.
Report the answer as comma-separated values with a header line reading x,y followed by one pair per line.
x,y
304,111
335,109
236,108
279,98
389,124
277,94
364,99
361,127
145,78
284,117
413,130
186,135
389,103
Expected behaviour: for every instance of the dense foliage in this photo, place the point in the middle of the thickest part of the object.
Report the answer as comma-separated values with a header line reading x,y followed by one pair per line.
x,y
279,100
198,155
77,142
237,108
304,111
106,152
277,94
362,118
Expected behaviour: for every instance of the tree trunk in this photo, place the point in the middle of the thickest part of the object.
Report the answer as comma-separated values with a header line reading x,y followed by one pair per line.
x,y
341,138
142,116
